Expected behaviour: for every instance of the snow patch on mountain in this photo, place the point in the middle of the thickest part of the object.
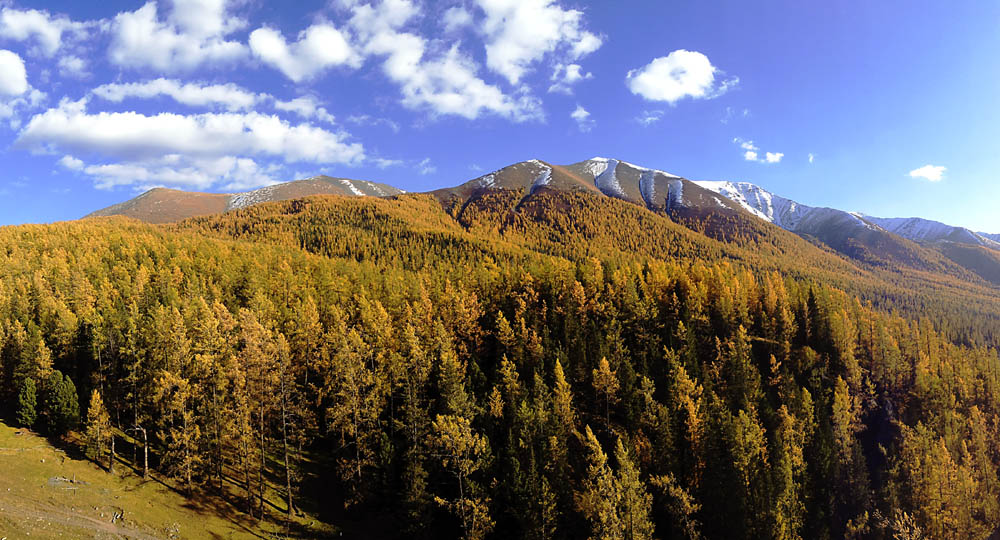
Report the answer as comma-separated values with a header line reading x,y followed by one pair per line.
x,y
756,201
374,187
675,193
596,166
249,198
647,186
607,182
795,217
644,169
350,186
488,181
925,230
785,213
543,178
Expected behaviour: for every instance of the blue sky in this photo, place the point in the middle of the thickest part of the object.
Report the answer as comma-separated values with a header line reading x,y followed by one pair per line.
x,y
895,101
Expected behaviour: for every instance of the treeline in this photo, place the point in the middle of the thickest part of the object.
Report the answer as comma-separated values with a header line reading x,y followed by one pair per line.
x,y
511,394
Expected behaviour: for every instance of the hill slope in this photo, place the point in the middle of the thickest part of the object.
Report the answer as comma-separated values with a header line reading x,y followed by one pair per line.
x,y
161,205
489,352
45,493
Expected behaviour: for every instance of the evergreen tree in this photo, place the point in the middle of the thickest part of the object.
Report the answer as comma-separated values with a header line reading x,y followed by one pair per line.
x,y
599,499
62,406
462,452
636,502
27,403
606,386
98,433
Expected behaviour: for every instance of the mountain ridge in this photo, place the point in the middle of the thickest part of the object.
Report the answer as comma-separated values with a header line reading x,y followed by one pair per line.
x,y
165,205
723,210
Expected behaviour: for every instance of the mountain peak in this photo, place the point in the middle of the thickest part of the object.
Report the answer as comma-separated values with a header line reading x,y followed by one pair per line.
x,y
164,205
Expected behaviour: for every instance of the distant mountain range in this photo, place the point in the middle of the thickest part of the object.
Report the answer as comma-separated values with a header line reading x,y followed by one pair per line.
x,y
161,205
795,217
722,210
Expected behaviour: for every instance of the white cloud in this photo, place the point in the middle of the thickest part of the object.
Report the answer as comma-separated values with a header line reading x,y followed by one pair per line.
x,y
443,82
383,163
368,120
425,167
227,172
676,76
130,135
195,150
10,109
456,18
46,30
933,173
732,113
205,18
318,48
751,152
520,33
72,66
812,157
565,76
71,163
228,96
13,76
306,107
648,118
582,118
194,34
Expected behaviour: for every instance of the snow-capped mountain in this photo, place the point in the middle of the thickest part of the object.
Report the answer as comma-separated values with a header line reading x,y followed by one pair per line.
x,y
161,205
800,218
726,211
652,188
925,230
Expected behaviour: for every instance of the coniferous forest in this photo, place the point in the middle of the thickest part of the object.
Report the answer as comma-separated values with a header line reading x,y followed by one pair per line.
x,y
572,367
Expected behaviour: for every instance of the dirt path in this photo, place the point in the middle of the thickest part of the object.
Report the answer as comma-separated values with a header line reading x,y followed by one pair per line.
x,y
41,520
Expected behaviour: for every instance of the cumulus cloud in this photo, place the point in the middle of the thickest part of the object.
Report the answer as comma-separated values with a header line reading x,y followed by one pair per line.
x,y
13,76
443,82
194,34
227,172
318,48
228,96
16,95
456,18
582,118
933,173
71,163
130,135
45,30
678,75
72,66
751,152
197,150
567,75
307,107
519,33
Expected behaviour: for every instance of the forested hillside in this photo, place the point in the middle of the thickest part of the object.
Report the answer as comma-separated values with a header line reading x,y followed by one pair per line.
x,y
557,366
